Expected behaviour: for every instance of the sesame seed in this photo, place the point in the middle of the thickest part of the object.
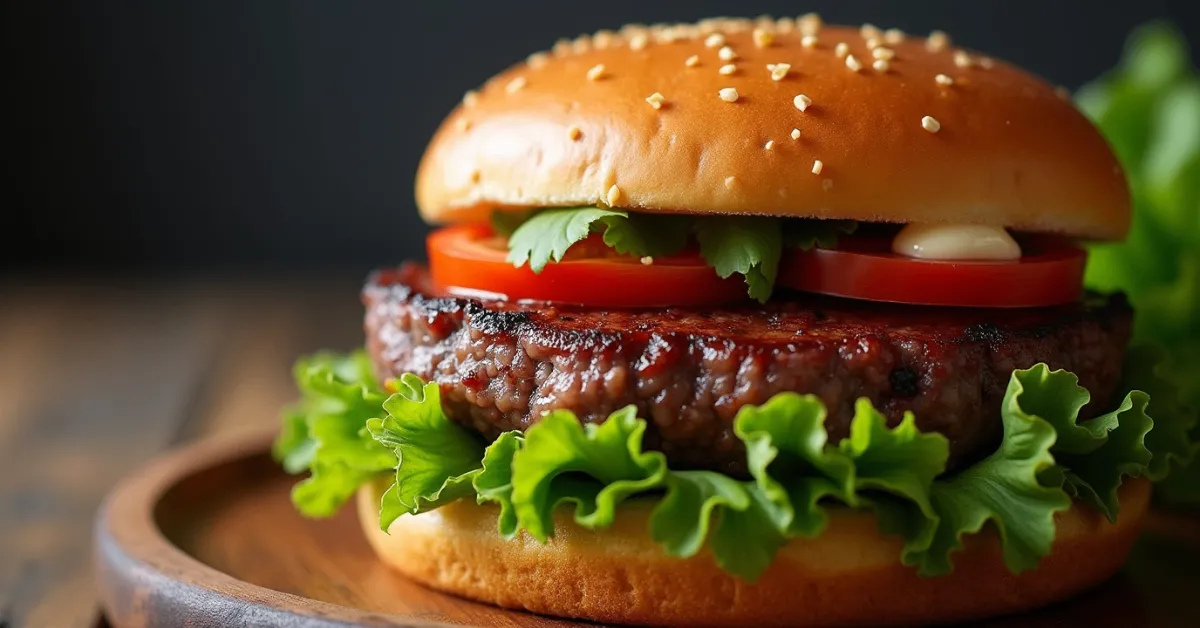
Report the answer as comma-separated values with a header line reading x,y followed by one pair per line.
x,y
842,49
893,35
726,53
987,63
647,260
463,124
573,133
638,41
561,48
937,41
809,23
802,102
880,65
873,43
471,98
827,184
537,60
818,166
582,44
515,85
779,71
730,182
602,39
728,94
727,69
795,134
870,30
853,63
962,59
785,25
931,125
614,195
770,145
942,79
763,37
883,53
475,176
692,61
656,100
596,73
809,41
716,40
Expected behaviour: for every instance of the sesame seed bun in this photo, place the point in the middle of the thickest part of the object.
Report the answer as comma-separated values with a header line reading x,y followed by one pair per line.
x,y
851,574
906,129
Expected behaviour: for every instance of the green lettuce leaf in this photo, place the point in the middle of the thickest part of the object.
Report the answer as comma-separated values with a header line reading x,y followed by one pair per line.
x,y
682,520
593,466
1002,489
1047,455
494,482
786,438
325,434
744,245
895,470
1172,439
437,460
1147,110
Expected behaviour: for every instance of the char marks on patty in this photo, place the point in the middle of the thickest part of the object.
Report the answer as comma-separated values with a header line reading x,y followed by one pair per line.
x,y
502,365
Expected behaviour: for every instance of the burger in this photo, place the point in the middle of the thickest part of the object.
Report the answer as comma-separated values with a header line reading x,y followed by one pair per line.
x,y
750,322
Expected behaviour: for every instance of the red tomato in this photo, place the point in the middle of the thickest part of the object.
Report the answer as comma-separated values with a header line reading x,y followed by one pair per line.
x,y
470,261
863,267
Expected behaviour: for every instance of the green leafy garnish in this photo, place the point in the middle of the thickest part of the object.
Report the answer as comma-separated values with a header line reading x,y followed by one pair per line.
x,y
438,460
798,477
504,223
325,432
547,235
747,246
1147,110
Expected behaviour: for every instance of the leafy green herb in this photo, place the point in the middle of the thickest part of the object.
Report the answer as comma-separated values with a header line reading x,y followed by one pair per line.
x,y
747,246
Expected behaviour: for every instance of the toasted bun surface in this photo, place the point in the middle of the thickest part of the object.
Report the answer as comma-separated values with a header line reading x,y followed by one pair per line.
x,y
1009,152
849,575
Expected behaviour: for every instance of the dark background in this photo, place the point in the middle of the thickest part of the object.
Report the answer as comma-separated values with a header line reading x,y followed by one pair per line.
x,y
241,135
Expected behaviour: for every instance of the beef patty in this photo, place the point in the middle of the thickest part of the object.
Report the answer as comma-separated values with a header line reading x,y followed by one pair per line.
x,y
500,366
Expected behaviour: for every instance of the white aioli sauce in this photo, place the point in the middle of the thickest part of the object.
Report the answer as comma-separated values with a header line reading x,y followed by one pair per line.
x,y
956,242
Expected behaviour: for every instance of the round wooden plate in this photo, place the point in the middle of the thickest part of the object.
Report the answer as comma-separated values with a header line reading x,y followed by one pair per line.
x,y
206,536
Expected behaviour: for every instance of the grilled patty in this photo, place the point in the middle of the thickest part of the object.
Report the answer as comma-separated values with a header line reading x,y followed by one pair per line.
x,y
502,365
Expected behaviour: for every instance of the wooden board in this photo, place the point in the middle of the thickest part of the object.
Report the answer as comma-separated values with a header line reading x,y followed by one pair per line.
x,y
207,537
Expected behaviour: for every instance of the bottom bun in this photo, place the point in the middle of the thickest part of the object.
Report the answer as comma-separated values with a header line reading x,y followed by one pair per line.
x,y
851,574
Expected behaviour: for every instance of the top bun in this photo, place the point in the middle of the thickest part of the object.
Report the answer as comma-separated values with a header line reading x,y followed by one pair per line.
x,y
906,129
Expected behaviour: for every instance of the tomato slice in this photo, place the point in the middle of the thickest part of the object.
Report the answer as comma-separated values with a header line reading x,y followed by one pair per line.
x,y
863,267
470,261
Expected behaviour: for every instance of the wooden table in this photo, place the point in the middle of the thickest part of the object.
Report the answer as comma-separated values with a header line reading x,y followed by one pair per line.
x,y
98,375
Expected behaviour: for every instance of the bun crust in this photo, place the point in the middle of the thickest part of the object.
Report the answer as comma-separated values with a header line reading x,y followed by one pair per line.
x,y
849,575
1010,150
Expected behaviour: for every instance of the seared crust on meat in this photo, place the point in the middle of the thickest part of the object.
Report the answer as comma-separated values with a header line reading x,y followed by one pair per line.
x,y
502,365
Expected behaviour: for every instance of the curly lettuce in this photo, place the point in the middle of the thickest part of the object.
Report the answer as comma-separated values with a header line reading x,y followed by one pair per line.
x,y
347,433
1148,108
